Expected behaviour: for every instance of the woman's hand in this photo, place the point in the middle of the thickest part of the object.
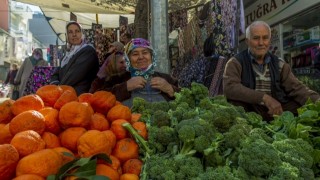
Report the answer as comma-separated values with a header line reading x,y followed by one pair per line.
x,y
162,85
136,82
272,104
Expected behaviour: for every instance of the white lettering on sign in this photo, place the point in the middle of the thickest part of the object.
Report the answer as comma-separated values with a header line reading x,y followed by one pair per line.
x,y
273,11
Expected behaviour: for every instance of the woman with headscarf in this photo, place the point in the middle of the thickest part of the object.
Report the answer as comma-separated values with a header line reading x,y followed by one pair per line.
x,y
36,59
80,65
114,65
140,79
114,47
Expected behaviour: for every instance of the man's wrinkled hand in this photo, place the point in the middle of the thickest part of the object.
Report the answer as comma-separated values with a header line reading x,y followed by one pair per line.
x,y
272,104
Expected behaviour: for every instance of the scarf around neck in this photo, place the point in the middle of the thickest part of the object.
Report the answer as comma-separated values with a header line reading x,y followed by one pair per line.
x,y
73,50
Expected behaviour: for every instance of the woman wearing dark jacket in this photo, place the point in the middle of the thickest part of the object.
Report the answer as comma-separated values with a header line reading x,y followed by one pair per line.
x,y
80,65
140,80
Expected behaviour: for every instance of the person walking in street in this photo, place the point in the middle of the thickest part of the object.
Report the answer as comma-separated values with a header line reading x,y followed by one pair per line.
x,y
36,59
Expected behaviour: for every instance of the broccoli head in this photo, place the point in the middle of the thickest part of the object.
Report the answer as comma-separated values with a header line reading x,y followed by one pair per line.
x,y
258,158
189,167
160,118
159,105
187,135
236,134
285,171
138,105
298,153
158,167
199,91
218,173
160,138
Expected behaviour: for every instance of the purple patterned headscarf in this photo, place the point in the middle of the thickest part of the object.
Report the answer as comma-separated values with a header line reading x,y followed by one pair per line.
x,y
139,43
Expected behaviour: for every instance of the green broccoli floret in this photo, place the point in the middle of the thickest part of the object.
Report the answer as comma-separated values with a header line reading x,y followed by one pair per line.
x,y
138,105
160,105
218,173
221,100
185,96
184,167
206,104
197,135
176,115
158,166
202,143
298,153
187,135
199,92
192,113
192,95
222,119
160,138
205,114
285,171
258,133
224,116
236,134
258,158
201,127
214,159
168,175
189,167
255,119
160,118
172,105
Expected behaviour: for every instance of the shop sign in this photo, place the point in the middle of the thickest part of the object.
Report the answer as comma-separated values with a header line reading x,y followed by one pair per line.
x,y
273,11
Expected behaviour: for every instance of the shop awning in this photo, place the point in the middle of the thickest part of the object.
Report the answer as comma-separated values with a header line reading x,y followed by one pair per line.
x,y
105,12
58,19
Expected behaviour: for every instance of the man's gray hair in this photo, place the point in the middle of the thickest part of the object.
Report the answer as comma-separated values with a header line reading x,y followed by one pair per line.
x,y
256,23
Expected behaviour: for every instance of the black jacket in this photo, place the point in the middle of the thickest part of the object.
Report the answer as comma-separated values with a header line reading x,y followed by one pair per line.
x,y
79,72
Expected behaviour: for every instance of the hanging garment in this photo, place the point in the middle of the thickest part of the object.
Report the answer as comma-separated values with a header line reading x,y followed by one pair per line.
x,y
178,19
216,83
39,76
200,70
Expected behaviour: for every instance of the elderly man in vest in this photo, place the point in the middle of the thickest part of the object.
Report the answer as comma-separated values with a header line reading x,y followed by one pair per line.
x,y
262,82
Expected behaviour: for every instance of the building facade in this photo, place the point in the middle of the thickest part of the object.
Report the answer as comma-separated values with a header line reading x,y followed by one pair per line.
x,y
16,39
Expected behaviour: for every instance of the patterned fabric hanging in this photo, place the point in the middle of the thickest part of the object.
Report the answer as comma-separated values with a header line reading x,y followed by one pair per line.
x,y
123,25
229,21
208,71
178,19
39,76
181,44
200,70
215,87
89,35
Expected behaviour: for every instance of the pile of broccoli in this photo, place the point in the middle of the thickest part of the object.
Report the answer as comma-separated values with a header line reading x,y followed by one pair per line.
x,y
198,137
